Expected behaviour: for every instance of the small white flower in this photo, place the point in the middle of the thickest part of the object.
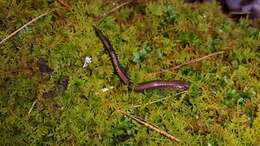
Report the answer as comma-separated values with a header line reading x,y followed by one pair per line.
x,y
87,61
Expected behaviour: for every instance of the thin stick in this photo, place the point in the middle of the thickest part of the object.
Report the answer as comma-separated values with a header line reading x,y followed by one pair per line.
x,y
30,22
155,128
191,62
117,7
158,100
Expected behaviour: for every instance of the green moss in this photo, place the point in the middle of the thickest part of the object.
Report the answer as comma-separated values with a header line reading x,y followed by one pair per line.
x,y
220,108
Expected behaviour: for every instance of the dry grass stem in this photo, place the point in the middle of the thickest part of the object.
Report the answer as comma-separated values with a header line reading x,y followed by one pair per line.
x,y
21,28
190,62
157,100
197,60
117,8
33,104
64,3
155,128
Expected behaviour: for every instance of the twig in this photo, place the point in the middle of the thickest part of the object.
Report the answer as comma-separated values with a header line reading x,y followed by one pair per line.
x,y
157,100
30,22
117,7
142,122
32,106
191,62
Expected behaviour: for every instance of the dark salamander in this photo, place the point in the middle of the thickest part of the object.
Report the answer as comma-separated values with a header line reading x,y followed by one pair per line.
x,y
141,87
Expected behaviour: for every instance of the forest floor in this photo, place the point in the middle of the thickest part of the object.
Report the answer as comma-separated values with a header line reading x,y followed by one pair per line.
x,y
48,98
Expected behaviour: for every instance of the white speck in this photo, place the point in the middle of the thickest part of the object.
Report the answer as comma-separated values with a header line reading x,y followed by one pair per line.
x,y
87,61
106,89
26,30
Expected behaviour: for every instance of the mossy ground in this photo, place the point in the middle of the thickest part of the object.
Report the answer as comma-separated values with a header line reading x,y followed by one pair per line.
x,y
220,108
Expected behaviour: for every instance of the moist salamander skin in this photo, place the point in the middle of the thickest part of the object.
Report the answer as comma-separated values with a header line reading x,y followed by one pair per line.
x,y
162,84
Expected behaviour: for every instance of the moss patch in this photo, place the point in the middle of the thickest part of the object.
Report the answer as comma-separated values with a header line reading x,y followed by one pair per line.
x,y
220,108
